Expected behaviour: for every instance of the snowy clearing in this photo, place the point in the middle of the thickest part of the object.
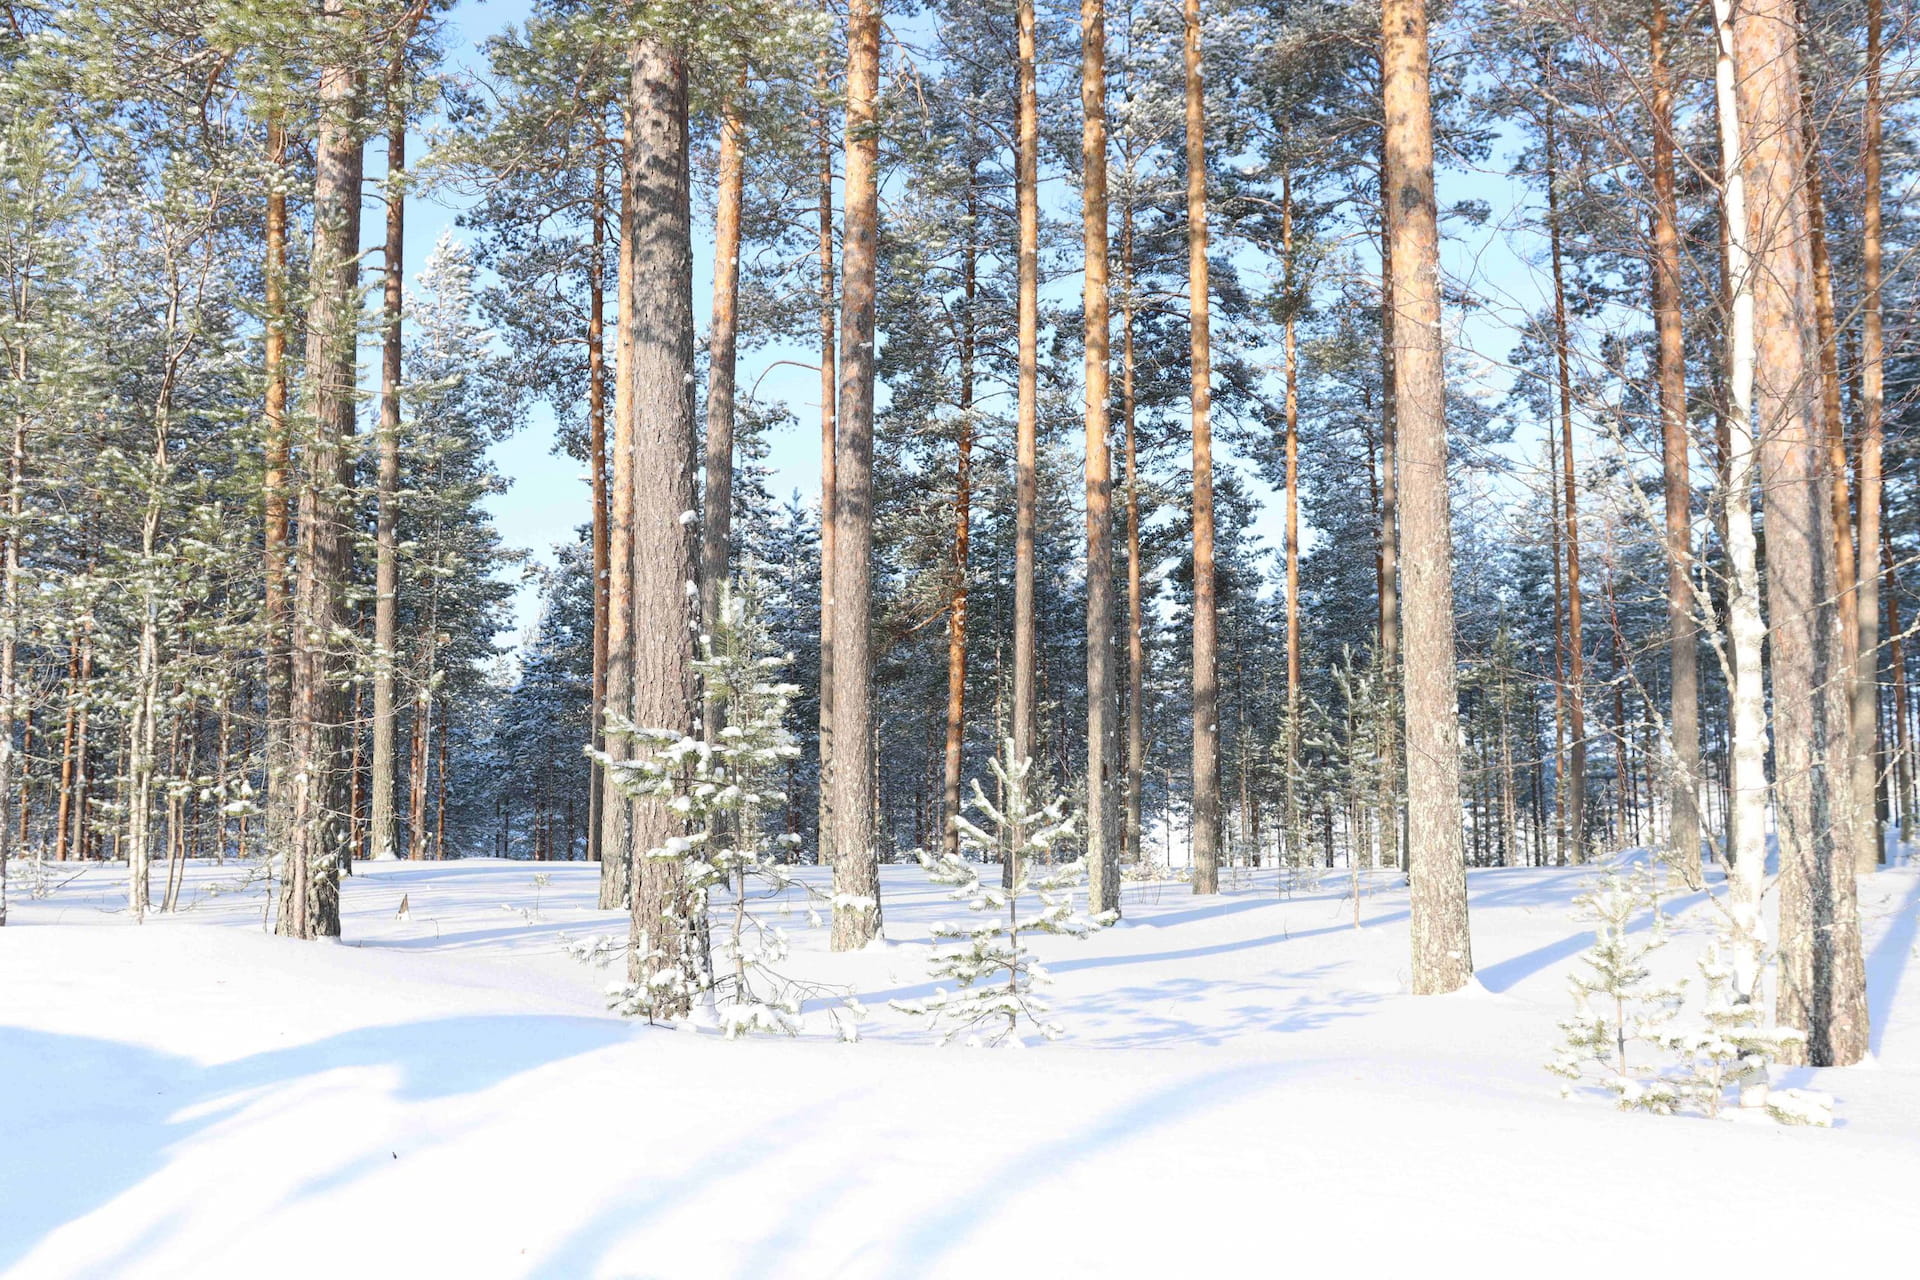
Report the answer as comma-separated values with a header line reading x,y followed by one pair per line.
x,y
1244,1087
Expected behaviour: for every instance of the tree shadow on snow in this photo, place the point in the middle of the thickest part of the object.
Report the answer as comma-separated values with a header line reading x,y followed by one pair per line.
x,y
90,1119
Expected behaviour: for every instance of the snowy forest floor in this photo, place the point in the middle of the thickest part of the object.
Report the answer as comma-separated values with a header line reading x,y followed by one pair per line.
x,y
1244,1085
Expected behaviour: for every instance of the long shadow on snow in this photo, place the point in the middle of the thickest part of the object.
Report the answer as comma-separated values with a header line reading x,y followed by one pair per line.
x,y
94,1118
1506,974
1887,965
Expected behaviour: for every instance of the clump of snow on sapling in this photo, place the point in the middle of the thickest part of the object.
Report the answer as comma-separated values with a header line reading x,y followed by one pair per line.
x,y
722,790
996,978
1733,1048
1616,1004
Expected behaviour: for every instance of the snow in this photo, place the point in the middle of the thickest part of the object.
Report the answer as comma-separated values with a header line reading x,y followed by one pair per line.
x,y
1244,1088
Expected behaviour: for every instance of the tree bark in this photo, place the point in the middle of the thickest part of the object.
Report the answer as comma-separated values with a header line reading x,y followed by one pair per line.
x,y
1290,356
386,544
1867,498
1026,485
1103,835
829,447
1206,686
856,874
1570,513
1442,952
1823,980
657,331
275,609
597,473
1683,708
716,528
616,822
962,530
1136,628
316,836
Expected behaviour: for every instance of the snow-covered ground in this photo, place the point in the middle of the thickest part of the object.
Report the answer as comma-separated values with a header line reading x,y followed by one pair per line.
x,y
1245,1088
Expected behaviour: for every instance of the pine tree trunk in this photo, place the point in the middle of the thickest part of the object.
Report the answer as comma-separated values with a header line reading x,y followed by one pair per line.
x,y
315,839
386,543
1290,356
1386,565
1866,622
716,528
1206,686
856,875
962,530
597,471
658,333
616,819
1570,513
1136,628
1823,982
1026,424
1442,953
1683,713
1103,813
10,605
275,609
1897,662
1856,752
829,449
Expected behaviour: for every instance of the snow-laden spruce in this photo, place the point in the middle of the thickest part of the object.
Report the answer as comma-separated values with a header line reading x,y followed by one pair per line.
x,y
722,790
996,977
1618,1008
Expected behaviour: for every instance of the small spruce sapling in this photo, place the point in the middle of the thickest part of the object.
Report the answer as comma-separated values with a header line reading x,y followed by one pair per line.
x,y
1734,1049
996,977
722,790
1615,1003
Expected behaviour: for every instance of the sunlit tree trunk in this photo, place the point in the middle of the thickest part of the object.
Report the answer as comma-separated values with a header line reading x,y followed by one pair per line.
x,y
1442,952
658,331
856,876
716,528
316,838
1026,484
962,529
1867,498
1102,817
1570,514
1823,981
1683,710
275,610
1206,687
1290,356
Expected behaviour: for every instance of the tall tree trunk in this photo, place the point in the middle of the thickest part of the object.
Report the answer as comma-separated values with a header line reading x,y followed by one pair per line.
x,y
10,600
1867,498
597,472
1856,752
1683,711
386,541
316,838
63,811
1570,513
658,333
716,528
1823,980
962,529
856,873
275,609
829,448
616,819
1026,484
1103,834
1739,460
1387,564
1290,355
1442,952
1556,531
1136,623
1897,662
1206,685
